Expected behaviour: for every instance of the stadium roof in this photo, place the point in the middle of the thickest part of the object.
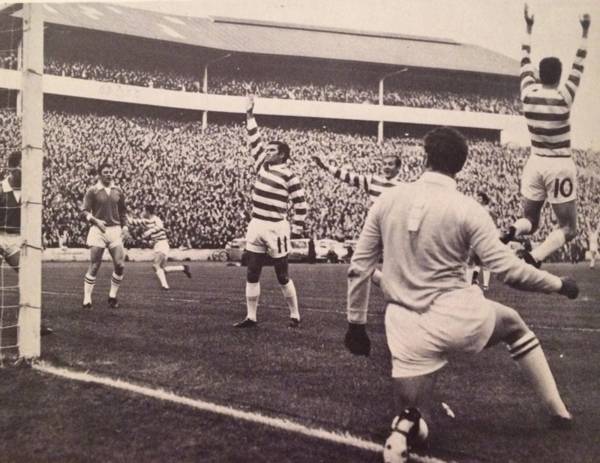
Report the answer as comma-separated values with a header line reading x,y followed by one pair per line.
x,y
249,36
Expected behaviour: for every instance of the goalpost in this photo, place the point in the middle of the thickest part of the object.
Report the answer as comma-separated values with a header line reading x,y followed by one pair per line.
x,y
20,331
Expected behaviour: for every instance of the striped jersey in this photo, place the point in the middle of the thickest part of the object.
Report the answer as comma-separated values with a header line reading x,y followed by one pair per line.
x,y
374,185
153,228
106,203
547,110
274,185
10,209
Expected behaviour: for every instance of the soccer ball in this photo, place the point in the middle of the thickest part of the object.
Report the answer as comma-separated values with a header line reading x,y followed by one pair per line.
x,y
396,449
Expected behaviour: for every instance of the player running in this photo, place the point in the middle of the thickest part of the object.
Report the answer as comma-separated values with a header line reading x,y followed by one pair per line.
x,y
268,230
425,230
154,230
104,208
550,173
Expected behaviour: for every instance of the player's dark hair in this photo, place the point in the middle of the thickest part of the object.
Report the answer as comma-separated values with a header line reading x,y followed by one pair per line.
x,y
485,199
397,159
150,208
14,159
446,150
282,148
550,70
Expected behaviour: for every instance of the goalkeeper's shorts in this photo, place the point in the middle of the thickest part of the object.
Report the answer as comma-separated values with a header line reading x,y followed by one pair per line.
x,y
462,320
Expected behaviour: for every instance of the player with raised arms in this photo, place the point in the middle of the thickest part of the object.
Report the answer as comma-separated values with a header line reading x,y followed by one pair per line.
x,y
373,185
550,172
425,231
154,230
104,208
269,231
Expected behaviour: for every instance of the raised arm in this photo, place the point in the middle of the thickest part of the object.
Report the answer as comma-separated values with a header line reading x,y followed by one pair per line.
x,y
300,208
572,82
527,69
256,144
351,178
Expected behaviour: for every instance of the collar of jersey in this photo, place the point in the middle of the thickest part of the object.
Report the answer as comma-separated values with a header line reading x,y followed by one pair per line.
x,y
101,185
439,179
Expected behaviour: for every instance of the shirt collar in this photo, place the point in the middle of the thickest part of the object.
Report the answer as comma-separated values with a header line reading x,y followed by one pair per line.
x,y
439,179
101,185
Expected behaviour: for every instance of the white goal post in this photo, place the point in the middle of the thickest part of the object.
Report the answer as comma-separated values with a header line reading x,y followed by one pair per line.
x,y
32,126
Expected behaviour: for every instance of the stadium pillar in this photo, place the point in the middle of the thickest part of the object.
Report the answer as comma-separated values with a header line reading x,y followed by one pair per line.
x,y
381,81
205,86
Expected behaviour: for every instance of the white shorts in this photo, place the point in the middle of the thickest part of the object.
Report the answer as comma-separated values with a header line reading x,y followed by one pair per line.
x,y
111,238
268,237
461,320
162,247
10,244
554,179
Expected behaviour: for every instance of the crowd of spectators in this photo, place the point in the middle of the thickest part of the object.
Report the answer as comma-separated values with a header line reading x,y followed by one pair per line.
x,y
201,182
279,84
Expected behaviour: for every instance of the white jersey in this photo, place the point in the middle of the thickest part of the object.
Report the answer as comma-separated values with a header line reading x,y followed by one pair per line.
x,y
425,230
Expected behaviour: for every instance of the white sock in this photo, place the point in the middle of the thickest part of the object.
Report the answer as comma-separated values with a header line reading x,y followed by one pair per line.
x,y
174,268
289,292
469,274
88,287
115,283
252,295
160,273
522,226
553,242
530,357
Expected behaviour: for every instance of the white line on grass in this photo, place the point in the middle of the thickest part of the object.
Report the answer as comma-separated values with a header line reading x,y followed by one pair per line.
x,y
279,423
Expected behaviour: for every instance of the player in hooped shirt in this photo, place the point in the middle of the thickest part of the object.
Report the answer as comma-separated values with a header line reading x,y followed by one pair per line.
x,y
268,230
154,230
550,172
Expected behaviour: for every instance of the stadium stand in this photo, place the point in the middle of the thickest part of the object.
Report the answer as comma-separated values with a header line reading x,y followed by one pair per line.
x,y
203,178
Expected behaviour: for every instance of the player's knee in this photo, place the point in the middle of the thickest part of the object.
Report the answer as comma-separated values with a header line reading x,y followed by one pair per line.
x,y
283,278
570,232
156,266
514,327
119,268
253,275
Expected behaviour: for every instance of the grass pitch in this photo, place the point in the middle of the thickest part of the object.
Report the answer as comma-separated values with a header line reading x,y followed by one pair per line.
x,y
183,342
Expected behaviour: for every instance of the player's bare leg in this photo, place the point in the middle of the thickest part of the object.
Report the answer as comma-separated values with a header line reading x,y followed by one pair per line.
x,y
527,224
526,351
90,276
409,428
288,289
593,255
158,264
566,214
118,256
255,264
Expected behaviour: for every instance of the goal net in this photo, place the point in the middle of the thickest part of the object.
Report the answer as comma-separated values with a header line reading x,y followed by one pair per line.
x,y
21,152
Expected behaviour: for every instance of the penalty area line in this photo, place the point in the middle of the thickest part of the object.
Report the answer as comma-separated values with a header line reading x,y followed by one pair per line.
x,y
278,423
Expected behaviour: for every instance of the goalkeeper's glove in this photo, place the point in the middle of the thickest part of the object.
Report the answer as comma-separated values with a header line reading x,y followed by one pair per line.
x,y
569,288
356,339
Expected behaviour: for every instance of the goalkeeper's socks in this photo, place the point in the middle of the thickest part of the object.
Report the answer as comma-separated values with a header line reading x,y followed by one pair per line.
x,y
289,292
115,282
252,295
160,273
88,287
528,354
